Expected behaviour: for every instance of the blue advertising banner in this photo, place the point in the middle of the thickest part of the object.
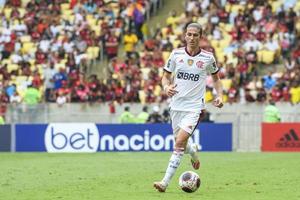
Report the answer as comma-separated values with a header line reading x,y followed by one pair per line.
x,y
30,137
5,137
89,137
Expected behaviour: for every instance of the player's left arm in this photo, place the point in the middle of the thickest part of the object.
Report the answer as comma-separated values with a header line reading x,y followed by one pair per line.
x,y
218,102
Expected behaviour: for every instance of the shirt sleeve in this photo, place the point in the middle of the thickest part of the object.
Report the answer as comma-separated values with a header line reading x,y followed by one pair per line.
x,y
212,68
170,64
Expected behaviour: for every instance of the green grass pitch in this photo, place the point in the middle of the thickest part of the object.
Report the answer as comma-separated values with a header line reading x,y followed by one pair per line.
x,y
129,176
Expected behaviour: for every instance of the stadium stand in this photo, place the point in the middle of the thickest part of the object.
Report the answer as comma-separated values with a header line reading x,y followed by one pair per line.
x,y
248,38
50,44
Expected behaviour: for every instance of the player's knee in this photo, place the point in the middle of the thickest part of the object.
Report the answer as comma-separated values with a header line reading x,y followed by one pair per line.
x,y
180,144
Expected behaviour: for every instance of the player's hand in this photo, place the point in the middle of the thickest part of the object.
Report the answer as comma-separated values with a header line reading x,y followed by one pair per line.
x,y
218,102
170,90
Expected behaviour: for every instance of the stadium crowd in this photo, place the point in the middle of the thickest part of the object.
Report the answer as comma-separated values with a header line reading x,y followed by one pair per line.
x,y
255,42
47,46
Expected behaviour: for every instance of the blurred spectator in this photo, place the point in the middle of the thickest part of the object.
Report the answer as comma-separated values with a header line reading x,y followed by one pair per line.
x,y
127,117
206,117
49,73
261,95
269,81
61,98
130,40
111,45
15,98
143,116
32,95
166,116
2,121
155,117
295,92
138,18
271,113
59,77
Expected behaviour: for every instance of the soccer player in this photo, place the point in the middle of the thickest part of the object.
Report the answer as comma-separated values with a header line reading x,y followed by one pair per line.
x,y
190,66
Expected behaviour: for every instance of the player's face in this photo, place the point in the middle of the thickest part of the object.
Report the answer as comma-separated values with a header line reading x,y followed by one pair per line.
x,y
192,37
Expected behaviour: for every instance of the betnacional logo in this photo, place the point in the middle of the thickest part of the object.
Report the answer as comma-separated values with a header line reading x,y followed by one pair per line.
x,y
71,137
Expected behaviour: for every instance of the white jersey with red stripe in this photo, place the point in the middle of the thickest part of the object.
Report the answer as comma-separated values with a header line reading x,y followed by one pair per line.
x,y
190,77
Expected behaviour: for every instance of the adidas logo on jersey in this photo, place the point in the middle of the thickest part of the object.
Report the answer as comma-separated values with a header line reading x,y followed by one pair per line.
x,y
289,140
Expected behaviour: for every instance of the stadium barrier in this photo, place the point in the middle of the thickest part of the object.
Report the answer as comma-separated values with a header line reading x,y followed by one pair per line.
x,y
5,138
281,137
90,137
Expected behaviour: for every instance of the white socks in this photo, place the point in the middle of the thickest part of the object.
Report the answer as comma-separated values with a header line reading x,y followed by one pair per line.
x,y
173,165
191,149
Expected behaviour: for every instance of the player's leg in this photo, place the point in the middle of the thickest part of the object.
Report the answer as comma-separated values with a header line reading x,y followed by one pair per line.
x,y
192,149
174,162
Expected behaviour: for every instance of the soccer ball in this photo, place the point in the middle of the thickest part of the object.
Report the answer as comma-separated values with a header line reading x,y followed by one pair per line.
x,y
189,181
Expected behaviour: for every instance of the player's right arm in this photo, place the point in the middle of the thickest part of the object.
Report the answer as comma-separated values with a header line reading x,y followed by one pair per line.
x,y
169,88
166,80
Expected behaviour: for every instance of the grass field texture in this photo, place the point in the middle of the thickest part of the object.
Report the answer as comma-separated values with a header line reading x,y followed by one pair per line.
x,y
129,176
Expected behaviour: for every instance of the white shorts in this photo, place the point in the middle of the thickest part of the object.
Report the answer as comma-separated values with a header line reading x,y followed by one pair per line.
x,y
184,120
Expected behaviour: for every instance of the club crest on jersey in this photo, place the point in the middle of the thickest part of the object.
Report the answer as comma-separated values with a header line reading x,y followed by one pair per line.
x,y
199,64
190,62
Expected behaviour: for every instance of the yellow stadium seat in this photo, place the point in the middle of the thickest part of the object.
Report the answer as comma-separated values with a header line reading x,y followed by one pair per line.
x,y
92,22
214,43
93,52
208,96
32,61
24,3
145,72
228,7
224,43
21,79
7,12
115,76
220,56
25,38
176,43
177,32
228,27
142,96
64,61
226,84
57,66
265,56
22,12
236,7
225,98
165,55
6,61
12,67
268,57
276,5
40,68
28,47
297,7
157,90
67,12
64,6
